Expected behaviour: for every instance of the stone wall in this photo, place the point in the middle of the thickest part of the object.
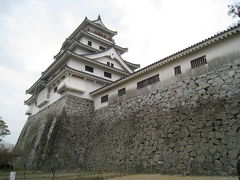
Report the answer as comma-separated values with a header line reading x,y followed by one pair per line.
x,y
189,126
56,137
186,125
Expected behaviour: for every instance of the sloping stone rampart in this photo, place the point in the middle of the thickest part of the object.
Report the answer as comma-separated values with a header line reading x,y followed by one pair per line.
x,y
57,137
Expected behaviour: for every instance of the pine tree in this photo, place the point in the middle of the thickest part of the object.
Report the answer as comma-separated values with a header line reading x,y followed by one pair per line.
x,y
3,129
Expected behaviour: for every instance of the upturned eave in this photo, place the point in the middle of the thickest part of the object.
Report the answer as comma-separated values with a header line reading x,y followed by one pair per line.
x,y
97,63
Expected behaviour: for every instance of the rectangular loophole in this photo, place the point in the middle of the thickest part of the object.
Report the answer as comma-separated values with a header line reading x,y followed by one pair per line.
x,y
198,62
177,70
148,81
104,99
121,91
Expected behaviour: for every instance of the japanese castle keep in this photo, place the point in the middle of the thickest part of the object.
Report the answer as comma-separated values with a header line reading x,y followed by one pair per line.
x,y
92,109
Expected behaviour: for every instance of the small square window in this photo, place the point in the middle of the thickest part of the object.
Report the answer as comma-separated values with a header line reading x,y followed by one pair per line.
x,y
102,48
121,91
108,75
89,69
104,99
177,70
89,43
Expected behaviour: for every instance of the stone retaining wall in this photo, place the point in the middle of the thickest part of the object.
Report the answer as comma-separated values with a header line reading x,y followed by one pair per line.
x,y
188,126
191,126
56,137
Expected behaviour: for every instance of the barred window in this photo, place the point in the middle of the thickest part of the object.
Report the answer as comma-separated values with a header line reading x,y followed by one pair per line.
x,y
108,75
104,99
89,43
177,70
198,62
121,91
88,68
148,81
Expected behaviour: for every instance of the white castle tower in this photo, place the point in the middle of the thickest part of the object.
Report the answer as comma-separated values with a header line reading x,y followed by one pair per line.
x,y
89,59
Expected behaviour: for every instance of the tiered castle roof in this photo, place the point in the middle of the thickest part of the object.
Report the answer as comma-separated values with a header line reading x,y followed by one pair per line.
x,y
97,32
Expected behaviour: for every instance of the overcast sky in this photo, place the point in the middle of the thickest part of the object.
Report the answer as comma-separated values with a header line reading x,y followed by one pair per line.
x,y
32,32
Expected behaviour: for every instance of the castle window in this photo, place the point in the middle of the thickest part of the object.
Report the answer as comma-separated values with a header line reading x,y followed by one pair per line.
x,y
121,91
112,65
148,81
89,43
48,93
104,99
108,63
102,48
89,69
55,89
108,75
177,70
198,62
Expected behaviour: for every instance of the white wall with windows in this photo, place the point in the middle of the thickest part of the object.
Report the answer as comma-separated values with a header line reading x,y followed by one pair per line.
x,y
166,71
94,44
98,71
79,86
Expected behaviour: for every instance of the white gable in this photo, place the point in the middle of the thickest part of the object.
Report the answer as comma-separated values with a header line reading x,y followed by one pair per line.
x,y
110,55
115,62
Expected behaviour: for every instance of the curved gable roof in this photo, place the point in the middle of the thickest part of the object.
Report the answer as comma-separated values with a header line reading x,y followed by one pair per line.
x,y
113,53
97,23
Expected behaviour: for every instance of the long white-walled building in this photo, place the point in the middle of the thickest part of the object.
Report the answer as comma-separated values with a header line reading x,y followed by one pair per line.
x,y
191,61
89,65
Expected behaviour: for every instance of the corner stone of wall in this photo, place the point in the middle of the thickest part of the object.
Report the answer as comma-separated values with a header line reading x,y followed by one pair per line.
x,y
56,137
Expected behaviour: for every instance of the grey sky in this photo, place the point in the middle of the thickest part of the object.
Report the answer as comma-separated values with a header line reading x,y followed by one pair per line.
x,y
32,32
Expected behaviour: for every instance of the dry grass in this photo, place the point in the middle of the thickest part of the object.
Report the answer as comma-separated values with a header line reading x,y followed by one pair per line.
x,y
164,177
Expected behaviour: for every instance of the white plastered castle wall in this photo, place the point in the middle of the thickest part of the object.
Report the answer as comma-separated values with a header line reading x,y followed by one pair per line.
x,y
79,50
88,86
98,71
166,71
95,44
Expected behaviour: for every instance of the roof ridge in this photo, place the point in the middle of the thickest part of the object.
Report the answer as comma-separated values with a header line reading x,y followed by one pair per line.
x,y
178,53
